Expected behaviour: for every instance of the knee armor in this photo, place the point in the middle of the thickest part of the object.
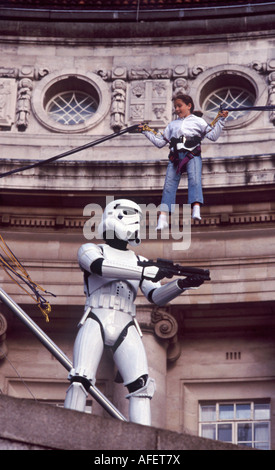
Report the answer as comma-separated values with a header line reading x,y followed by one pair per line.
x,y
143,387
143,390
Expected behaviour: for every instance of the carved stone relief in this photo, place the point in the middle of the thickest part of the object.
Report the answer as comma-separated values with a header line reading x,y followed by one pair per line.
x,y
118,105
149,100
137,94
150,91
23,105
271,93
8,90
268,69
180,86
166,328
15,93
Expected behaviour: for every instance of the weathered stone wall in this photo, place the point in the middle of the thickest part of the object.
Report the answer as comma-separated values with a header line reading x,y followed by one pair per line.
x,y
42,216
27,425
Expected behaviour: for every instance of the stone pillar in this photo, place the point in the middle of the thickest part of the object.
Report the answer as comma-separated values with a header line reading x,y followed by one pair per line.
x,y
159,329
166,349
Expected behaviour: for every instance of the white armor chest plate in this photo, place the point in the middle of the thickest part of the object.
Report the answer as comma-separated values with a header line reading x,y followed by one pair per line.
x,y
113,294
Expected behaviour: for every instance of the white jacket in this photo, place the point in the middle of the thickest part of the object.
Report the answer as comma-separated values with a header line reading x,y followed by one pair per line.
x,y
189,127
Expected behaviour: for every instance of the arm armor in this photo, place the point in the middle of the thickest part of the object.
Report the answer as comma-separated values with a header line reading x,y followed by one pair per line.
x,y
164,294
114,269
91,259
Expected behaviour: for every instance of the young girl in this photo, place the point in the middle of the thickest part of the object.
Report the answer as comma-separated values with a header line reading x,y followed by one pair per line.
x,y
184,135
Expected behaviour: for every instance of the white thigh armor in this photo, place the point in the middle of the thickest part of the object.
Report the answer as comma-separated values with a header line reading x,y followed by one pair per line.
x,y
130,357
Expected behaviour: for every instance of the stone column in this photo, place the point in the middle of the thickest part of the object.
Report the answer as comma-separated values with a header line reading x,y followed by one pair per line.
x,y
155,348
159,335
163,349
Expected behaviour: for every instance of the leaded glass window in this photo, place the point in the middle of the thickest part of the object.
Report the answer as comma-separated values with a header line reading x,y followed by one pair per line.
x,y
71,107
232,97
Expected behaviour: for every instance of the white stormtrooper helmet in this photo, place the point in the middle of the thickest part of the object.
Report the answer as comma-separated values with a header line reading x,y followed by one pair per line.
x,y
121,218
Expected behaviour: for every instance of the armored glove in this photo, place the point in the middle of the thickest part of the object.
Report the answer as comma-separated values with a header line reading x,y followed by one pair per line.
x,y
195,280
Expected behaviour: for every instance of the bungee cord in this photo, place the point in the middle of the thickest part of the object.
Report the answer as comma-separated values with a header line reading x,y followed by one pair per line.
x,y
10,263
123,131
16,271
270,107
12,266
145,126
157,133
69,152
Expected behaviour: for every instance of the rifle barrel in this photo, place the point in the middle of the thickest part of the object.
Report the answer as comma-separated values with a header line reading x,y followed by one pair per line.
x,y
175,269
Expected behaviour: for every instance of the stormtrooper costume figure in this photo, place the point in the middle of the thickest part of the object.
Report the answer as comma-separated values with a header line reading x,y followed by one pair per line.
x,y
112,278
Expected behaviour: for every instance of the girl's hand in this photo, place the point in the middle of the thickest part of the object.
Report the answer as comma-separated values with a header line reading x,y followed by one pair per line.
x,y
224,114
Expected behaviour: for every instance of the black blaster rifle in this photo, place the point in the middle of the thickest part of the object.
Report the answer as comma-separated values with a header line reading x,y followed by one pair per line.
x,y
168,269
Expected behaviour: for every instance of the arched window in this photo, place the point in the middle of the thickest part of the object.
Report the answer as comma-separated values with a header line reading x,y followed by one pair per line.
x,y
228,97
233,86
71,107
71,102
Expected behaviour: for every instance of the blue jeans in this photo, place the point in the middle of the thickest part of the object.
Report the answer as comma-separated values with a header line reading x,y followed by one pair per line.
x,y
172,179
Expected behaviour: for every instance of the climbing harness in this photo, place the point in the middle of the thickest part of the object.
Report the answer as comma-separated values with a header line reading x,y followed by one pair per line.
x,y
182,143
16,271
180,162
70,152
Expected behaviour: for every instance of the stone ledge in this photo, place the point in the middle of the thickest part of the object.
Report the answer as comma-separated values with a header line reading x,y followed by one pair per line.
x,y
26,424
77,223
245,171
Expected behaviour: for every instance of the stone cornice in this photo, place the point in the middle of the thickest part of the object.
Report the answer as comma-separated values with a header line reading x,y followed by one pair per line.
x,y
125,25
76,223
113,175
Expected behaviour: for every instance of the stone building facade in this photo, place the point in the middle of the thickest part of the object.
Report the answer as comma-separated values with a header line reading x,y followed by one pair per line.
x,y
65,84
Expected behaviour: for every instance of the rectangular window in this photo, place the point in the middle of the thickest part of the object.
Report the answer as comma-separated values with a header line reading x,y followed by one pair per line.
x,y
244,423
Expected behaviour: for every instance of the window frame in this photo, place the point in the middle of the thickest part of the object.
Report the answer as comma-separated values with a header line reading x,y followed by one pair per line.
x,y
52,83
255,82
228,88
234,421
74,95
